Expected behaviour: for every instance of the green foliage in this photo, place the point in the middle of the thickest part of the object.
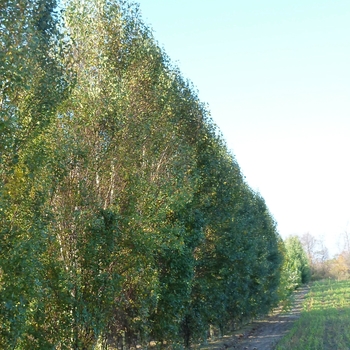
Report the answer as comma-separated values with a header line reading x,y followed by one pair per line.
x,y
34,82
295,269
124,218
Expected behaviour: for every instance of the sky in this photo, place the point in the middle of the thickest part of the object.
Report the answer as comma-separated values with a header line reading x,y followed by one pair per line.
x,y
276,77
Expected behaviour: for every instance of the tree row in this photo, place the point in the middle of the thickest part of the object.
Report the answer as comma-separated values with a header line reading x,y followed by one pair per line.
x,y
123,216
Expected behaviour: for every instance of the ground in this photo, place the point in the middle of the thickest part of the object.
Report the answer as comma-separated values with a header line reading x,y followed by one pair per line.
x,y
263,334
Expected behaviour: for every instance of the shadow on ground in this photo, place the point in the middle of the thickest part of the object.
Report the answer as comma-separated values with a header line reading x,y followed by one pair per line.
x,y
263,334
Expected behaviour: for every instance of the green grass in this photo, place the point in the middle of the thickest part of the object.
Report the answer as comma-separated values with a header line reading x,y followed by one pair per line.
x,y
325,320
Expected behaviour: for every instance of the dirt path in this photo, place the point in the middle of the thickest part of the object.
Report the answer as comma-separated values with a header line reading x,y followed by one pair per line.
x,y
263,334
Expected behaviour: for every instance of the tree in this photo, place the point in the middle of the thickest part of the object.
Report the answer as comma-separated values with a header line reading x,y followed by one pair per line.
x,y
123,216
34,83
296,263
317,255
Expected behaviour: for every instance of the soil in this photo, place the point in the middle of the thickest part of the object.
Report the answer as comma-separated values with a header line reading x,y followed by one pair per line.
x,y
263,334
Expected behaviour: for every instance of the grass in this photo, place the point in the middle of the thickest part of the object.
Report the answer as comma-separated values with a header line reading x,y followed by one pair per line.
x,y
325,319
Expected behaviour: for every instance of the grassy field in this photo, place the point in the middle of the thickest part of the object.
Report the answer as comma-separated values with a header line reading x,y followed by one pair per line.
x,y
325,319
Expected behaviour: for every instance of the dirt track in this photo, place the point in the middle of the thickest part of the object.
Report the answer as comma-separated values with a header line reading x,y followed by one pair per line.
x,y
263,334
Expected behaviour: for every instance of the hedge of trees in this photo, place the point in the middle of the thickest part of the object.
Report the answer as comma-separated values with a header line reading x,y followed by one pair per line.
x,y
123,216
296,269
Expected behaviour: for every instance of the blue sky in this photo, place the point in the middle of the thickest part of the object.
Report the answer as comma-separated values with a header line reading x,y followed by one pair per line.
x,y
276,77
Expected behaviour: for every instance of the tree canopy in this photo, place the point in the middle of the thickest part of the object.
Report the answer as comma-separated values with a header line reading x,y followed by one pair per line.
x,y
123,216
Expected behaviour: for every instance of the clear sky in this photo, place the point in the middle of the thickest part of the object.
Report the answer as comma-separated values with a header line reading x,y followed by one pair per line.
x,y
276,77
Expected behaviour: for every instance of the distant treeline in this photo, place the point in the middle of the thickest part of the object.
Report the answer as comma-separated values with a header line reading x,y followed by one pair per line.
x,y
123,216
